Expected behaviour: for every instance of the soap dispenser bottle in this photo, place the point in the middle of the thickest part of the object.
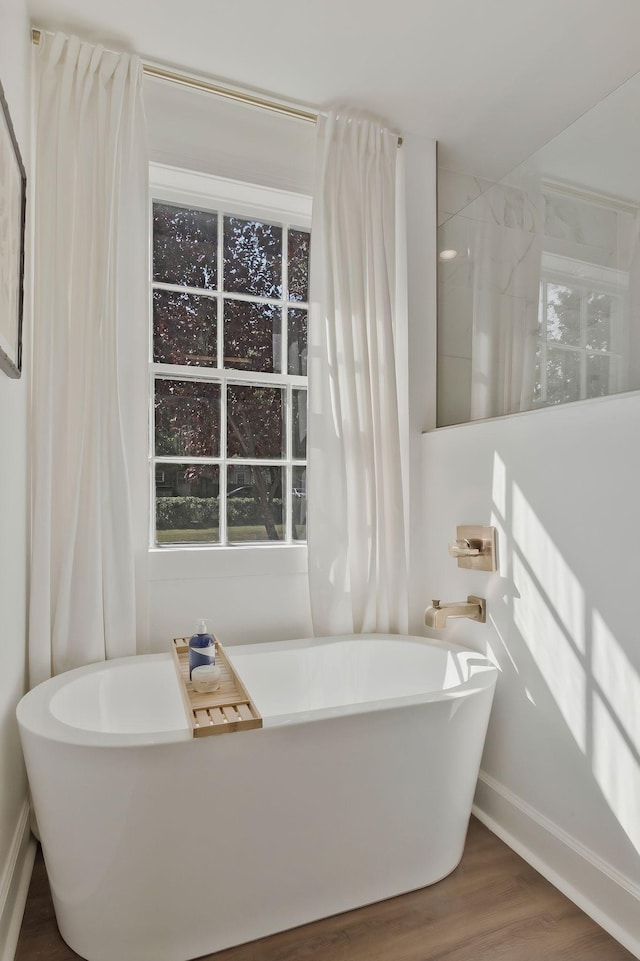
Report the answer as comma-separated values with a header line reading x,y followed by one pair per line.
x,y
202,650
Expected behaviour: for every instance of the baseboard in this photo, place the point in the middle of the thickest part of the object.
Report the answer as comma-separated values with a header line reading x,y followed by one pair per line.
x,y
602,892
14,885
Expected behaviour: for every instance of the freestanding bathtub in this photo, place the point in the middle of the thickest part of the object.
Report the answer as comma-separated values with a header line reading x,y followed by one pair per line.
x,y
162,847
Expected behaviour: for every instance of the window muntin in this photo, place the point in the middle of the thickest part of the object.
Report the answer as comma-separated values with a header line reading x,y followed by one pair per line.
x,y
229,376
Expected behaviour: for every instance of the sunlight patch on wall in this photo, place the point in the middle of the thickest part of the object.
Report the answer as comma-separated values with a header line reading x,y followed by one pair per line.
x,y
616,769
502,559
617,679
499,486
554,656
562,588
491,653
491,656
616,728
499,511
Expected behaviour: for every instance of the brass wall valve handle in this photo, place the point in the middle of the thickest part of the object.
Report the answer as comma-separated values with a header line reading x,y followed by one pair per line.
x,y
464,548
475,548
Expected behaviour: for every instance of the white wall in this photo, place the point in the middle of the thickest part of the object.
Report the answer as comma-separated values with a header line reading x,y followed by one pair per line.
x,y
194,130
15,53
245,594
561,769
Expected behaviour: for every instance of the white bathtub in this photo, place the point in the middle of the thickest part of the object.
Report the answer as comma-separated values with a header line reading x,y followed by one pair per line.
x,y
161,847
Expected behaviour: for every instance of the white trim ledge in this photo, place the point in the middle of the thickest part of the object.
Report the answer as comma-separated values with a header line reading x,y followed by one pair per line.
x,y
610,898
195,563
14,885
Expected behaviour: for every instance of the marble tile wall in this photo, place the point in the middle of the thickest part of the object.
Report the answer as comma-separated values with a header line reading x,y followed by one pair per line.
x,y
584,231
456,190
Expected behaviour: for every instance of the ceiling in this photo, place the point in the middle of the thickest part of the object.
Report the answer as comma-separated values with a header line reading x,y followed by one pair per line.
x,y
600,151
491,81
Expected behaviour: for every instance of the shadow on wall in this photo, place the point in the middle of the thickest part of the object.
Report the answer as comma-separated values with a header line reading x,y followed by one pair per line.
x,y
574,652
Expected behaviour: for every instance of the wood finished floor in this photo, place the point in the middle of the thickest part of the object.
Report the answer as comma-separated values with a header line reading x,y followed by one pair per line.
x,y
494,907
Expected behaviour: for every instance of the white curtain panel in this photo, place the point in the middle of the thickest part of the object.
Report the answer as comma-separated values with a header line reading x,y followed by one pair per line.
x,y
356,536
89,488
506,251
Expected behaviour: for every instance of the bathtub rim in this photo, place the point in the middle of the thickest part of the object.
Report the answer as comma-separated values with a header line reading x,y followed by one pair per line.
x,y
483,678
35,717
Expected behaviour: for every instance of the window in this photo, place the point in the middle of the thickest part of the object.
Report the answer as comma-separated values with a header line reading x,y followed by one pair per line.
x,y
581,331
229,295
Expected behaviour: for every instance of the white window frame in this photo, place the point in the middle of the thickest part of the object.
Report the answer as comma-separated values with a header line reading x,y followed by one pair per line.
x,y
208,192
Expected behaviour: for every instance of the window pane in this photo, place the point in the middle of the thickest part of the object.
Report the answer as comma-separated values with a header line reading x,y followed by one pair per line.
x,y
252,336
563,376
252,257
538,386
254,510
187,418
298,264
563,315
299,424
299,503
542,334
600,370
297,351
255,421
184,329
185,244
187,504
599,317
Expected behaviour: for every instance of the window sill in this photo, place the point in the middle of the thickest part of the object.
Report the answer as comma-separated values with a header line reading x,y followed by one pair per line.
x,y
191,563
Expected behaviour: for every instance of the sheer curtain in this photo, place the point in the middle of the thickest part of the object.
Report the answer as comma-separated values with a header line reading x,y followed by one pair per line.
x,y
356,535
89,488
506,282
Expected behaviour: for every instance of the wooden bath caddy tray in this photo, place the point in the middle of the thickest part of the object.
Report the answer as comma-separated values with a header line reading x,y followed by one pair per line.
x,y
220,712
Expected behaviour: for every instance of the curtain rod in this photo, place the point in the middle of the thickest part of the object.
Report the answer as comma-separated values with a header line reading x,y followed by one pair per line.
x,y
204,85
186,81
228,92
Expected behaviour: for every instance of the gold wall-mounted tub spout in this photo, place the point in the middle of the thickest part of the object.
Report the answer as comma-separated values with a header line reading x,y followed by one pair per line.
x,y
436,616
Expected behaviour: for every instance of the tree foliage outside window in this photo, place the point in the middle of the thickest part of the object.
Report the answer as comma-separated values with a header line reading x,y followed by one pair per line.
x,y
580,336
229,331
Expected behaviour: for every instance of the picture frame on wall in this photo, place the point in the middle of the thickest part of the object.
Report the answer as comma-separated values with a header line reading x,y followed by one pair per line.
x,y
13,196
